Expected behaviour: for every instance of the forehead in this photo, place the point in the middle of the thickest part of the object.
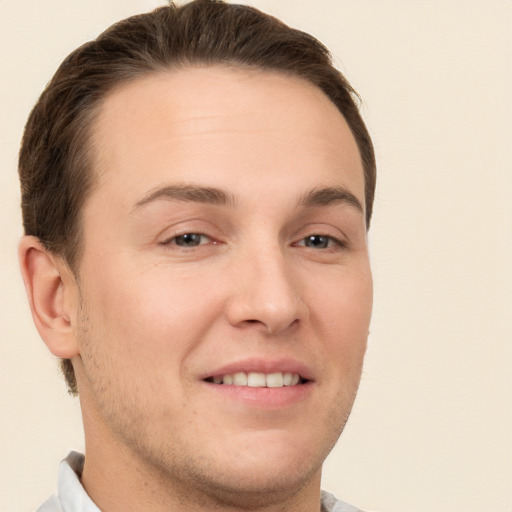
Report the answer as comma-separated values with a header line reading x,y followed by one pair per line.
x,y
218,124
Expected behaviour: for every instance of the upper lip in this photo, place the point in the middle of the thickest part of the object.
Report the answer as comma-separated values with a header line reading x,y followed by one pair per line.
x,y
262,365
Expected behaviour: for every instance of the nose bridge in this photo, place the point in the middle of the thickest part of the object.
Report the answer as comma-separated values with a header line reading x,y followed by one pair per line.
x,y
267,292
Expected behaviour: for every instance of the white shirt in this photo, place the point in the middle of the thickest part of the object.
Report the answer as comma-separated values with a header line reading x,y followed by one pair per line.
x,y
72,497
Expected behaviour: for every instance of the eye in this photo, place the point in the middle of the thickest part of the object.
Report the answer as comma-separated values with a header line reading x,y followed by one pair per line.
x,y
319,242
189,240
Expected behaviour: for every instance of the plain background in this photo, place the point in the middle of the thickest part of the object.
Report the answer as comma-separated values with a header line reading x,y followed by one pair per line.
x,y
432,427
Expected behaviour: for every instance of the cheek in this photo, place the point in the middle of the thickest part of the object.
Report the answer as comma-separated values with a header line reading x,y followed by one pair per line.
x,y
343,313
346,300
153,317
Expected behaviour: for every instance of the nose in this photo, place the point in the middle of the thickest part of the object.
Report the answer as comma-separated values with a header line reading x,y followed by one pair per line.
x,y
265,293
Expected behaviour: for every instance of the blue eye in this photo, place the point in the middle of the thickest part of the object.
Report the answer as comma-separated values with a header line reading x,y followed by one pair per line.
x,y
319,242
190,240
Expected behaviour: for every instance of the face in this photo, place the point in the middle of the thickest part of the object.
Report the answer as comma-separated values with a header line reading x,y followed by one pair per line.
x,y
225,289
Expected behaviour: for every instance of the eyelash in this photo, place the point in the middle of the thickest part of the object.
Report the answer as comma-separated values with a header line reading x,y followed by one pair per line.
x,y
331,242
174,239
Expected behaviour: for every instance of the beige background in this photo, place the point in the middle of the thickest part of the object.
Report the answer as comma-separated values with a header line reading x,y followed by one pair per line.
x,y
432,427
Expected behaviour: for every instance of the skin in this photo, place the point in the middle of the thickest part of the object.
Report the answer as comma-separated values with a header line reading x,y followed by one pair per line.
x,y
148,318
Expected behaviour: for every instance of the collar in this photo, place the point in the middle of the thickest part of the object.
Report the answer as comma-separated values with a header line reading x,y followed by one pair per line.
x,y
72,495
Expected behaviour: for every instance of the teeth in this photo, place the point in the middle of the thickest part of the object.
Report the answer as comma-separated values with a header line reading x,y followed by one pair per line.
x,y
256,380
259,380
275,380
240,379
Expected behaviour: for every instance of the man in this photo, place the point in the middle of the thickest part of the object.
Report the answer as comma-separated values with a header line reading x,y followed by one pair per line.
x,y
197,184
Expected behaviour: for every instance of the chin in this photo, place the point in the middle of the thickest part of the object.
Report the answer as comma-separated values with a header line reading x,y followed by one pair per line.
x,y
246,471
265,466
257,485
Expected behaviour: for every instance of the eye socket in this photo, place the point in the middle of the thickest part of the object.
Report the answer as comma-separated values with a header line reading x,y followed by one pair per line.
x,y
189,240
319,242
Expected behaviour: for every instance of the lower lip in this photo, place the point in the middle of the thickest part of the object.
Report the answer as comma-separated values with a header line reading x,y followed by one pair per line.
x,y
271,398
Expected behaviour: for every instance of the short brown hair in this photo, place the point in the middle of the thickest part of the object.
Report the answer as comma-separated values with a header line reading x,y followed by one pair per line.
x,y
55,157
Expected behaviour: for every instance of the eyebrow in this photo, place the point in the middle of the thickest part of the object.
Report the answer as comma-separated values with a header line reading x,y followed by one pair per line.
x,y
211,195
190,193
330,195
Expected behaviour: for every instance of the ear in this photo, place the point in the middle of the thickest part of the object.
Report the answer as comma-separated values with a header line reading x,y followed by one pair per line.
x,y
52,293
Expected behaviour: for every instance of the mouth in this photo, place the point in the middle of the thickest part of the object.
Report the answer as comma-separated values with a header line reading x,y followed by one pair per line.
x,y
258,379
263,384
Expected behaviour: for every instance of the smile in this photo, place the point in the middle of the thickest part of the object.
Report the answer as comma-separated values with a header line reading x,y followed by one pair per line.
x,y
258,380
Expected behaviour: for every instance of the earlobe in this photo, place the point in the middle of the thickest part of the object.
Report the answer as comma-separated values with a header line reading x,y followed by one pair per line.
x,y
51,294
